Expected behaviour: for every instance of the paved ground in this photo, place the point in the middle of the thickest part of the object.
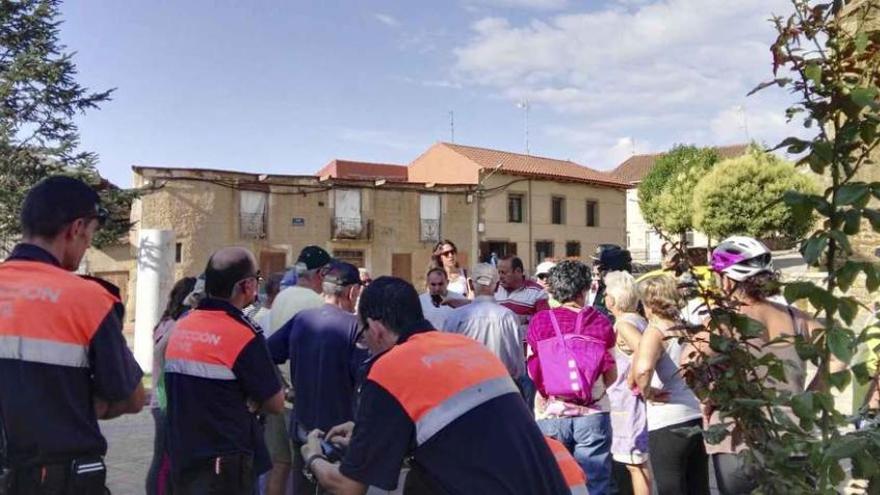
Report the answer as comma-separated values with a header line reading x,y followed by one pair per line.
x,y
131,450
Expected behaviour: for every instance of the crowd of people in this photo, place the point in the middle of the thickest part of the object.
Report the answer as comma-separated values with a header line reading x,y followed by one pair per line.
x,y
322,380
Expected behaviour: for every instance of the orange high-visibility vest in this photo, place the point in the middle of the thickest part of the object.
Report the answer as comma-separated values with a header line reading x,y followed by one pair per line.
x,y
571,470
437,377
206,344
49,315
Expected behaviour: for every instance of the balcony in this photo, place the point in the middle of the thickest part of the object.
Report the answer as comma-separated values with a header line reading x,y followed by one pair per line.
x,y
350,228
430,230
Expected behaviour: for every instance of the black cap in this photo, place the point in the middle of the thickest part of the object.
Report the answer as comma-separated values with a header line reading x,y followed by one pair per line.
x,y
56,201
613,259
342,274
313,257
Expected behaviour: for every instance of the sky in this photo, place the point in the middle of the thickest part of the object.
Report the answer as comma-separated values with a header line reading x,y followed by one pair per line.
x,y
279,86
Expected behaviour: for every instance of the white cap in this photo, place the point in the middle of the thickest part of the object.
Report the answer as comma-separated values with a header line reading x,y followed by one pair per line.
x,y
484,274
544,267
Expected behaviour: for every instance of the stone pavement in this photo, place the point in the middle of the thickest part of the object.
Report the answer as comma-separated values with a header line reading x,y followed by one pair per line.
x,y
131,449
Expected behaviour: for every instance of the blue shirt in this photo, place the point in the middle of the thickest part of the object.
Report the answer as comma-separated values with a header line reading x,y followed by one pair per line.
x,y
495,448
48,408
209,417
321,344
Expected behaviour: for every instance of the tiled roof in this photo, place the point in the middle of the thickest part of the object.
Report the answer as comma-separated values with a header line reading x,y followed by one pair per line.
x,y
346,169
634,169
534,166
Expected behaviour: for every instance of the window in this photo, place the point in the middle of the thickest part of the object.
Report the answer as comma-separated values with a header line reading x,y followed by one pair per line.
x,y
178,252
353,256
573,249
429,206
347,220
515,208
592,213
543,250
558,210
689,238
252,218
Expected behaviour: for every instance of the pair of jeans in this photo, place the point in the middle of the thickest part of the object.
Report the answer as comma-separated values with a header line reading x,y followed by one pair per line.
x,y
679,459
588,438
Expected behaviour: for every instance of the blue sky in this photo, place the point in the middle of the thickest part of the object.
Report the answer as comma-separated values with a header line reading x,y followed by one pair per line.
x,y
283,87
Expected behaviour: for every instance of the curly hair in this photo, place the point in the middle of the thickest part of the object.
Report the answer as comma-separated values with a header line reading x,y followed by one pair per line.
x,y
660,295
760,286
568,279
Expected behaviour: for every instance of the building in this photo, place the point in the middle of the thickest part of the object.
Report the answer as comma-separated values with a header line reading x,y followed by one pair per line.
x,y
384,225
532,206
642,239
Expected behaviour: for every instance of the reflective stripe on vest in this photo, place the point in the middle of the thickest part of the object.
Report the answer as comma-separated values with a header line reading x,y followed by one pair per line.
x,y
437,377
49,315
205,344
571,470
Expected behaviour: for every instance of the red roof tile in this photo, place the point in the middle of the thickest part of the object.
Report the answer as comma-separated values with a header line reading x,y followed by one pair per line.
x,y
634,169
346,169
534,166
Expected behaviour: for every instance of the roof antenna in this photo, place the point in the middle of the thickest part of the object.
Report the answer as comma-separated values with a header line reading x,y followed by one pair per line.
x,y
452,125
524,104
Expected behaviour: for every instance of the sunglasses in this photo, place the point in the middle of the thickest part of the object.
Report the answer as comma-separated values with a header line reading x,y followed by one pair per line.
x,y
447,253
543,276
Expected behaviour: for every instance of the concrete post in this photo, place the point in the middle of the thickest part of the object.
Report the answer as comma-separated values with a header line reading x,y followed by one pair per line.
x,y
155,277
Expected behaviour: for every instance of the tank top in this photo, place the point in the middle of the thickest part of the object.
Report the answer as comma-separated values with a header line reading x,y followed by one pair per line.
x,y
682,405
795,383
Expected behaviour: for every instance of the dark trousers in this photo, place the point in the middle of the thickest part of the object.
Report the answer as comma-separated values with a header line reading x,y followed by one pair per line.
x,y
679,461
61,479
226,475
731,475
155,484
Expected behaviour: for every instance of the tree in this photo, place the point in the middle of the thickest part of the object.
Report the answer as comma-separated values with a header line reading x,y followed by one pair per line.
x,y
742,196
39,99
829,56
666,193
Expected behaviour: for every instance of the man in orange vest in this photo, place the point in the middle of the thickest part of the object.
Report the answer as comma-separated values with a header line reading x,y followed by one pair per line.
x,y
218,373
64,363
442,399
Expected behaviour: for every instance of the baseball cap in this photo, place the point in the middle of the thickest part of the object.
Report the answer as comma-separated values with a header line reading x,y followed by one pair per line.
x,y
289,279
544,267
313,257
342,274
484,274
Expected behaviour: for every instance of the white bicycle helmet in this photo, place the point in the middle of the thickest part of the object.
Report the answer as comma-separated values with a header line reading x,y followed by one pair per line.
x,y
741,257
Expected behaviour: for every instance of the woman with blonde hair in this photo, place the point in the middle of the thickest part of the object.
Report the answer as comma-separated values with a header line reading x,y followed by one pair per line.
x,y
629,423
678,459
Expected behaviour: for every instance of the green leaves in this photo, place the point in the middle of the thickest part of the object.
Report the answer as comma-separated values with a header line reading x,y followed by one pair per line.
x,y
813,248
852,193
864,97
839,343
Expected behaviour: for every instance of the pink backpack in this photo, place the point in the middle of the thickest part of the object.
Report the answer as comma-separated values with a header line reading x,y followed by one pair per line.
x,y
571,363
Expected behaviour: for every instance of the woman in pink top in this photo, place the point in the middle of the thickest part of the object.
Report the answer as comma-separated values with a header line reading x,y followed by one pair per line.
x,y
583,427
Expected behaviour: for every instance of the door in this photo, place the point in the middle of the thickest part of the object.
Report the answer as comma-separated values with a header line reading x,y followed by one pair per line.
x,y
272,262
401,266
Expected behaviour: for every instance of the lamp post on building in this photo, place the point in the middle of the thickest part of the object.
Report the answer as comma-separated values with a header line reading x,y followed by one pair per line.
x,y
480,190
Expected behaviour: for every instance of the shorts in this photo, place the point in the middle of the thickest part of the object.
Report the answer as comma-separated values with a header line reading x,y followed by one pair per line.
x,y
277,439
633,459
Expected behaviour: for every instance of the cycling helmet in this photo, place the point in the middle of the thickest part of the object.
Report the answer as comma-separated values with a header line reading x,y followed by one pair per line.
x,y
741,257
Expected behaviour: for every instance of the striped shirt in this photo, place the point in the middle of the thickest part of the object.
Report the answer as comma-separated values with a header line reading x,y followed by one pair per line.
x,y
525,301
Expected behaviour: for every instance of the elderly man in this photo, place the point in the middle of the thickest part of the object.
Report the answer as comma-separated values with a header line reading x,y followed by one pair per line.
x,y
438,302
490,323
218,373
321,344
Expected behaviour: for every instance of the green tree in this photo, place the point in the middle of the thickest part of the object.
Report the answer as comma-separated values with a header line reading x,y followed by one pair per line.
x,y
742,196
827,54
666,193
39,99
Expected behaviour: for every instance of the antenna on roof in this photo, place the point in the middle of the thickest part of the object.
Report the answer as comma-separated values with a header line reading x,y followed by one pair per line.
x,y
524,104
452,126
745,121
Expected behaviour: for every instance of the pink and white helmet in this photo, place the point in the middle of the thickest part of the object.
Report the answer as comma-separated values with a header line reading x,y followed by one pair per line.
x,y
741,257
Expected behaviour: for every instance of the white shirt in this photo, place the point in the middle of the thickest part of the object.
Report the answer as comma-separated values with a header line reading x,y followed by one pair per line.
x,y
437,315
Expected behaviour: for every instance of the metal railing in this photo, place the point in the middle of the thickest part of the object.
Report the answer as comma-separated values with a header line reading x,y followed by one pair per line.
x,y
350,228
429,230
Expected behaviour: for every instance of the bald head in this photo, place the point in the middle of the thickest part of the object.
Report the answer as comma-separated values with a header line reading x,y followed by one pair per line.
x,y
226,268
